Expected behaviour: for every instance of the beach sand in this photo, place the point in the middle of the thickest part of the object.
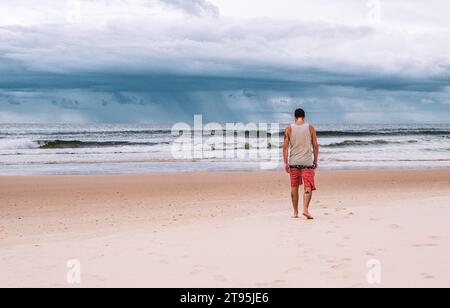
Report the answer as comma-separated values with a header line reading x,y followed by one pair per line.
x,y
226,230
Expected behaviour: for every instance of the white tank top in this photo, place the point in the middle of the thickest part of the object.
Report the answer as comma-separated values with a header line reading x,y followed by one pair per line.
x,y
301,149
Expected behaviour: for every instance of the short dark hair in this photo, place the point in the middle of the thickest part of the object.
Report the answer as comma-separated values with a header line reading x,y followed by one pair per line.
x,y
300,113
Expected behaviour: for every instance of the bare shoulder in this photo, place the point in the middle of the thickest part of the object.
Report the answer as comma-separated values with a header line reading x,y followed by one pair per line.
x,y
287,134
288,130
312,130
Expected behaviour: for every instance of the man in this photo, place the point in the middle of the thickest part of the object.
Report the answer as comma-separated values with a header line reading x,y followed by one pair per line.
x,y
301,155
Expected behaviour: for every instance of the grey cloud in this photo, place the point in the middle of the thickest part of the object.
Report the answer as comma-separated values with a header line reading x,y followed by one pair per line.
x,y
194,7
283,50
8,99
258,101
66,103
148,69
125,99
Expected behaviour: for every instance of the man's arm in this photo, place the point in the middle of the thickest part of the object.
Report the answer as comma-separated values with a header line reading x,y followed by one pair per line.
x,y
315,144
287,137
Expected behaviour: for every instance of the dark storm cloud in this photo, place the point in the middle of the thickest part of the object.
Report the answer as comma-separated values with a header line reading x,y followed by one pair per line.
x,y
150,64
122,81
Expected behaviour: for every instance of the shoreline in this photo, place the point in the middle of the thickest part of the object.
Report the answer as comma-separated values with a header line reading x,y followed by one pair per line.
x,y
174,172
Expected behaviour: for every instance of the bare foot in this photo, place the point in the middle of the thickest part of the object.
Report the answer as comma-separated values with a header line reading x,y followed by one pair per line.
x,y
308,216
295,215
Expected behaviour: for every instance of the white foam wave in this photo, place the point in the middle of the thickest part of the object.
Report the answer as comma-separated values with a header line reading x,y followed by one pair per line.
x,y
17,144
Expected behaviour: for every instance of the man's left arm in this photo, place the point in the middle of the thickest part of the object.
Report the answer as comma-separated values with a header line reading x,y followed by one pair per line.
x,y
315,144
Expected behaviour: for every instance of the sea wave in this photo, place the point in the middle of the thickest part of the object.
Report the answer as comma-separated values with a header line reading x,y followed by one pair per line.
x,y
394,132
367,132
17,144
348,143
27,144
74,144
87,132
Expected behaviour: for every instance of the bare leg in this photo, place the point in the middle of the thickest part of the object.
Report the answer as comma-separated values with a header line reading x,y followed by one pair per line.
x,y
306,201
295,199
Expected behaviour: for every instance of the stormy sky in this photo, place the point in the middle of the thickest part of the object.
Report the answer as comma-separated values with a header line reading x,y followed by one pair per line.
x,y
161,61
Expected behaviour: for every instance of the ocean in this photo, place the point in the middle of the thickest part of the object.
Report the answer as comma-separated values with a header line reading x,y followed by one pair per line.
x,y
106,149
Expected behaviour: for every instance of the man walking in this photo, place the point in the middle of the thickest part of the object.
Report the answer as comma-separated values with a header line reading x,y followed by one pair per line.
x,y
301,155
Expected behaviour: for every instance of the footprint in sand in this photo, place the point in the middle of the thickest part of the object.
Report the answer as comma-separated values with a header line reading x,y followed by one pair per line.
x,y
196,271
291,270
338,266
425,245
427,276
394,227
262,285
274,284
220,278
433,237
370,253
326,274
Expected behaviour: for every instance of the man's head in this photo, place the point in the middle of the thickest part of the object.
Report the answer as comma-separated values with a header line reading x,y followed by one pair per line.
x,y
300,114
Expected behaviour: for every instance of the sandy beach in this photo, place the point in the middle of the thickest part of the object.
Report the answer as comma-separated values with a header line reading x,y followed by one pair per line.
x,y
225,230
